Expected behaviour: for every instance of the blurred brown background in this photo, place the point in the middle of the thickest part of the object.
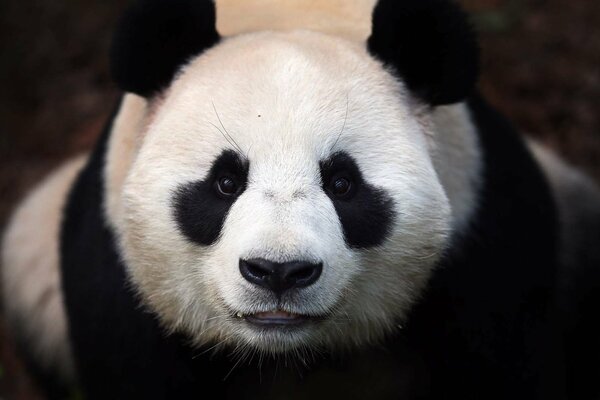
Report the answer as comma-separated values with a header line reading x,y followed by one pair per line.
x,y
541,68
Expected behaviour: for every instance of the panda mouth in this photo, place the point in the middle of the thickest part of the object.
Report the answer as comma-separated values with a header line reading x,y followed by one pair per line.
x,y
276,318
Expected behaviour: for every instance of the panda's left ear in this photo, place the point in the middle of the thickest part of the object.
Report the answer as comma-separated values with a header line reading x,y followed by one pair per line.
x,y
430,44
154,38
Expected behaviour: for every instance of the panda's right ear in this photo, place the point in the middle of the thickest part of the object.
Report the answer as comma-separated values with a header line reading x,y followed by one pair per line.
x,y
154,38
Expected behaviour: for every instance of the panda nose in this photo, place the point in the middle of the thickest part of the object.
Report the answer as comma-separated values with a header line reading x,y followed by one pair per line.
x,y
280,277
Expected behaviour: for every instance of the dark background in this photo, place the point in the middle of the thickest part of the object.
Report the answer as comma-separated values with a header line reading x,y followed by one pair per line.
x,y
541,68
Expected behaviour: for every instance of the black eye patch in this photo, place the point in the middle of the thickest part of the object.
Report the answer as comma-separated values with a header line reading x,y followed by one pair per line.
x,y
365,211
200,207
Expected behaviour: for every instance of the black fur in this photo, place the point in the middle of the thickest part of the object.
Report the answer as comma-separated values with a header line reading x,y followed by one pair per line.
x,y
155,38
430,44
199,210
579,290
484,329
366,212
121,352
487,327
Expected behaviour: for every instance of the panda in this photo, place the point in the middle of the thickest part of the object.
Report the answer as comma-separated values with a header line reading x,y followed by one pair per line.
x,y
321,206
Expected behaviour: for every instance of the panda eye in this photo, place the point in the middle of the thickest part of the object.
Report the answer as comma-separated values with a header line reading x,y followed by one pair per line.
x,y
227,186
340,186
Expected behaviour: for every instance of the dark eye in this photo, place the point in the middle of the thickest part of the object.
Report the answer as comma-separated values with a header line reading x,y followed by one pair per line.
x,y
341,186
227,186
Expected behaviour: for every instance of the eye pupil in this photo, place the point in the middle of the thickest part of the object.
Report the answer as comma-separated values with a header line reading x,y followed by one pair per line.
x,y
341,186
227,186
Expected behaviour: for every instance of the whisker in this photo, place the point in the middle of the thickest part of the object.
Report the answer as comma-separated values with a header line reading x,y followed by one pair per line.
x,y
237,146
226,137
244,355
248,152
343,126
213,347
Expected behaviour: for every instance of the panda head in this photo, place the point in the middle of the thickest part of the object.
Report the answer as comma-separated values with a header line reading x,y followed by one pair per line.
x,y
282,194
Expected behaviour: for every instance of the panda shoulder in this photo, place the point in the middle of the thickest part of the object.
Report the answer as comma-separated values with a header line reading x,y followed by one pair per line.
x,y
577,198
33,300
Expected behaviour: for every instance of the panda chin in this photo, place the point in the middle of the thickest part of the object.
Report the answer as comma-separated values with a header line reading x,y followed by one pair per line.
x,y
275,332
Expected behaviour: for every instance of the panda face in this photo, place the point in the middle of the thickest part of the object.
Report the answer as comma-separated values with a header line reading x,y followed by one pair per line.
x,y
283,196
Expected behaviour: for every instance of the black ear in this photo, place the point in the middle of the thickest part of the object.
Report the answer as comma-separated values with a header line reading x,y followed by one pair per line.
x,y
154,38
430,44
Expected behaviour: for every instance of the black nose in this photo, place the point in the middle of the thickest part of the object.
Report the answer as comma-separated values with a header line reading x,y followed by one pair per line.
x,y
280,277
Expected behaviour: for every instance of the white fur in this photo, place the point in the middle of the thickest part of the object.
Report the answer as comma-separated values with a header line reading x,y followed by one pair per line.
x,y
123,144
565,179
578,201
285,98
30,274
457,159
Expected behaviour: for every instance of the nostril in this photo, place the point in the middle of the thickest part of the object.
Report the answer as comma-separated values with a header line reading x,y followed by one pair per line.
x,y
256,270
304,273
300,274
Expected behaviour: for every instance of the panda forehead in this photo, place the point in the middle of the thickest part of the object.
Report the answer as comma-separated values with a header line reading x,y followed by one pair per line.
x,y
287,99
267,85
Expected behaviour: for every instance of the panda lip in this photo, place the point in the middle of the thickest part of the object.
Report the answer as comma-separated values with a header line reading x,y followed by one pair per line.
x,y
278,317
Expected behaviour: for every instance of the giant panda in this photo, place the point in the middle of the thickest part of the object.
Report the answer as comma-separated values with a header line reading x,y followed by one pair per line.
x,y
313,207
